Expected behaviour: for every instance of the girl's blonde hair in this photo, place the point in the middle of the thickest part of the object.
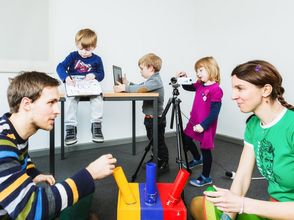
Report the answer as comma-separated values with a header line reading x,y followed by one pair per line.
x,y
211,66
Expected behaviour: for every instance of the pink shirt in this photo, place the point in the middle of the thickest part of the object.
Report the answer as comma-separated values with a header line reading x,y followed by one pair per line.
x,y
200,110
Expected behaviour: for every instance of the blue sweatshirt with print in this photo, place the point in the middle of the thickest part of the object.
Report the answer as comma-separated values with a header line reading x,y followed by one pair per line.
x,y
74,64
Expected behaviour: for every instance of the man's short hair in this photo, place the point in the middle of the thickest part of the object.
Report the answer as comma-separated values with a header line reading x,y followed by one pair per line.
x,y
30,85
151,59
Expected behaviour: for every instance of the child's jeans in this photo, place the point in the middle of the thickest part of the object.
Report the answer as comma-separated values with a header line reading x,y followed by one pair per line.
x,y
96,103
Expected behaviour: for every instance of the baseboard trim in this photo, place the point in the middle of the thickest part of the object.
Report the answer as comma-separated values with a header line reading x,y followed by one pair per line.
x,y
91,145
116,142
229,139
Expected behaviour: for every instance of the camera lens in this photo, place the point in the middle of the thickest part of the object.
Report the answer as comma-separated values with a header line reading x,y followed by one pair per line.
x,y
173,80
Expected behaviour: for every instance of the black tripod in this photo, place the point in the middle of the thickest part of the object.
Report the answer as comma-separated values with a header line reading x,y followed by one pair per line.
x,y
176,112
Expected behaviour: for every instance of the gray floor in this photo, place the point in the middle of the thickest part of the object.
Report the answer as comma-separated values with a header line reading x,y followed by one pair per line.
x,y
225,157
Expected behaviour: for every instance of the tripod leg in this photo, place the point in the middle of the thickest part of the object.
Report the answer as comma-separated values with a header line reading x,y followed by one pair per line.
x,y
172,116
167,107
179,137
147,148
180,140
183,140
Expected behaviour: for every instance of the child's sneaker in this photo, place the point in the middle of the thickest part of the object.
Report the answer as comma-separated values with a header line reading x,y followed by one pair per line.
x,y
163,166
71,135
97,135
201,181
193,163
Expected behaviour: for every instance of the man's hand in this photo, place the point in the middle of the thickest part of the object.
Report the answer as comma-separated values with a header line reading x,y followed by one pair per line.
x,y
102,167
44,178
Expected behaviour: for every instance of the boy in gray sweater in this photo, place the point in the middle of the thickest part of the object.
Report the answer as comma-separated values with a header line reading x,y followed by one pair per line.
x,y
150,65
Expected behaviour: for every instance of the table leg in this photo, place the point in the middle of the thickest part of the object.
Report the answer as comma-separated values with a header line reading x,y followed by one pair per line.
x,y
134,127
62,130
155,129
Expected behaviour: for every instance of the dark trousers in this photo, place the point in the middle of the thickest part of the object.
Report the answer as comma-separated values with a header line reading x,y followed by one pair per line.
x,y
206,154
162,148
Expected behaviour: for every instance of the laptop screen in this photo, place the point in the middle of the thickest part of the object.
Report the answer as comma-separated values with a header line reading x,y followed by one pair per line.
x,y
117,74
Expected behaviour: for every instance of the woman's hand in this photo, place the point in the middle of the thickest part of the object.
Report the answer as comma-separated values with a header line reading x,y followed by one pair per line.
x,y
225,200
44,178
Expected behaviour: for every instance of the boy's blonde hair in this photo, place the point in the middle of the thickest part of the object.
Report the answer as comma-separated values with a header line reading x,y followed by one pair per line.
x,y
211,66
149,60
87,38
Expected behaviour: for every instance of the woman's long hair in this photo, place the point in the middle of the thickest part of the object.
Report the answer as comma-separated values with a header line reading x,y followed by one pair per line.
x,y
260,73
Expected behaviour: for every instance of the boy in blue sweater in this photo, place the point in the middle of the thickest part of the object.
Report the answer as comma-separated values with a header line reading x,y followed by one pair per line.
x,y
82,64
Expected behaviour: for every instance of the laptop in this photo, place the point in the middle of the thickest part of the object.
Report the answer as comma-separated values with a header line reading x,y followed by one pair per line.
x,y
117,74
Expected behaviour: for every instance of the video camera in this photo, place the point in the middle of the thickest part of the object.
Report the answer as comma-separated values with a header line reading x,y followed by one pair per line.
x,y
177,81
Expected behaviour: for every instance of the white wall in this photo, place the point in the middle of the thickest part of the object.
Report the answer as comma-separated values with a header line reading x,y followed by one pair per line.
x,y
25,39
233,31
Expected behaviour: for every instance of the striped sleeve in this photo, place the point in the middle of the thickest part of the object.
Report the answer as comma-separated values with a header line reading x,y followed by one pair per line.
x,y
21,198
31,168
